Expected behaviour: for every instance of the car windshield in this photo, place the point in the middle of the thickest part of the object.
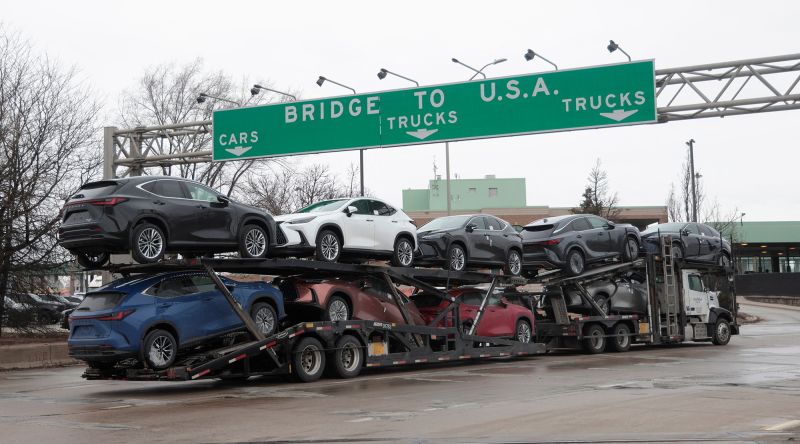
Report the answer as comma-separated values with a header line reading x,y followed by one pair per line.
x,y
666,228
445,223
325,205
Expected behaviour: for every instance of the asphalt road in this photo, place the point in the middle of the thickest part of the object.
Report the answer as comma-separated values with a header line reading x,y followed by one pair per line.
x,y
747,391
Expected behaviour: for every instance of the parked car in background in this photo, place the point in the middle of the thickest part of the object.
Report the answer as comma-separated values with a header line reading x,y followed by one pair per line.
x,y
361,227
472,240
149,216
501,317
58,299
46,311
572,242
73,299
65,318
153,318
690,241
368,299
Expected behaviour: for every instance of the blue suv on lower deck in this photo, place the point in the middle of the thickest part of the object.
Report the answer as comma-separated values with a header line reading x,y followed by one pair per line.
x,y
152,317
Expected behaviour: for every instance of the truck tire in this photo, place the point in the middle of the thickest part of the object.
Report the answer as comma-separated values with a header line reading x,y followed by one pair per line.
x,y
348,358
594,341
722,332
308,360
621,343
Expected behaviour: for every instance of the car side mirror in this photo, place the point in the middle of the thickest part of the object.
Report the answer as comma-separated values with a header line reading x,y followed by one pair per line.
x,y
223,199
684,232
230,286
504,301
610,226
470,228
350,210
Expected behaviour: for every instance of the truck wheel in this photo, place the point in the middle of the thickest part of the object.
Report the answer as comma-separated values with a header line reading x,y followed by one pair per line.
x,y
160,349
308,360
621,342
348,358
595,340
575,262
722,332
92,261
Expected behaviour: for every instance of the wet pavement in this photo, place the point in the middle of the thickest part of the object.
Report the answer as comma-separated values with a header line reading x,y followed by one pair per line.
x,y
745,392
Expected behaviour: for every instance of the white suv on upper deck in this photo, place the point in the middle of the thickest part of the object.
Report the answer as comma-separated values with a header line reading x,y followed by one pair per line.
x,y
360,226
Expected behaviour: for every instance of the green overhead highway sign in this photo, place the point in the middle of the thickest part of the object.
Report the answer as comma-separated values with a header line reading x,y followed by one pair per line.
x,y
612,95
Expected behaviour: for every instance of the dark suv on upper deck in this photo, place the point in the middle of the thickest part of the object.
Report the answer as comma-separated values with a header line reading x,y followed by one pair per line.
x,y
153,215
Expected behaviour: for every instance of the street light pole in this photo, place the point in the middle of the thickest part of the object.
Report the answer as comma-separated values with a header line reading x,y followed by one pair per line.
x,y
691,172
320,81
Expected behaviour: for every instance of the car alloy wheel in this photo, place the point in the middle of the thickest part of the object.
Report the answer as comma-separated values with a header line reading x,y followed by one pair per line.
x,y
457,258
514,263
338,310
523,332
405,252
161,351
265,320
576,264
633,249
150,243
255,242
724,261
330,246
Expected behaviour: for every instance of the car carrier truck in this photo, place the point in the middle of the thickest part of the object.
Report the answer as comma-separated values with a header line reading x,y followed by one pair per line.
x,y
681,301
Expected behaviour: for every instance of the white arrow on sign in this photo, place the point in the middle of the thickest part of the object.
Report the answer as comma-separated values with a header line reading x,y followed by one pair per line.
x,y
619,114
421,134
239,150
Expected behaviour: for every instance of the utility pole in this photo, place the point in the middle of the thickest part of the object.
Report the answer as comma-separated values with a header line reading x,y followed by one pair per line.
x,y
691,172
447,173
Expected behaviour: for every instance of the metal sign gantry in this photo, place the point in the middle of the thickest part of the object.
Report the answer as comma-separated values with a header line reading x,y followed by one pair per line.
x,y
739,87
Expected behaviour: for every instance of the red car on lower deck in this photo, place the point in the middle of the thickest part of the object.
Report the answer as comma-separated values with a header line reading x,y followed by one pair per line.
x,y
501,317
367,298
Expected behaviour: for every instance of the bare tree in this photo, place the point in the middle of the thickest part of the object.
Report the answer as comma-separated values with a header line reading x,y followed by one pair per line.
x,y
596,198
48,148
167,94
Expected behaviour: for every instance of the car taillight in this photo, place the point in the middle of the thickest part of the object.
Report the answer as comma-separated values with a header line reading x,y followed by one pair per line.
x,y
107,202
118,316
550,242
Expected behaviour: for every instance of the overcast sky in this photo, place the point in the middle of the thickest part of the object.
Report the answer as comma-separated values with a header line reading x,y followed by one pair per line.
x,y
747,162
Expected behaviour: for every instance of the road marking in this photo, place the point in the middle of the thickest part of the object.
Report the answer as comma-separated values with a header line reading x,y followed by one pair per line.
x,y
784,426
368,418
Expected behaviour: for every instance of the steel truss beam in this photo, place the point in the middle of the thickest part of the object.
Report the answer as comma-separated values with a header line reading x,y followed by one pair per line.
x,y
712,90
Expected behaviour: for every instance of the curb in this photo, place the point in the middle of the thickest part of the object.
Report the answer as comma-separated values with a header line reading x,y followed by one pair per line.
x,y
34,356
745,301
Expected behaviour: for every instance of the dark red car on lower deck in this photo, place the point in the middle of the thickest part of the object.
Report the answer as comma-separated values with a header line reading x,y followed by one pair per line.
x,y
367,298
501,317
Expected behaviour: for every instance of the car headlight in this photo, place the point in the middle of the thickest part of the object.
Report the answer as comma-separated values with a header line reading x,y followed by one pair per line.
x,y
303,220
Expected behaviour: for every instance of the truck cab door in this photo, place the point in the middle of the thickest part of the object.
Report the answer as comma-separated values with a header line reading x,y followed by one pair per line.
x,y
696,297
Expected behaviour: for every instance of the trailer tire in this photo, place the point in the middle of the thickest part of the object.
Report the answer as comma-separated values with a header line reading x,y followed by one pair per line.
x,y
348,358
308,360
722,332
594,341
621,342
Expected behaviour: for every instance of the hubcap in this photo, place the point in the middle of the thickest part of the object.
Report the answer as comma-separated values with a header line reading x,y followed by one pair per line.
x,y
514,262
457,259
330,247
150,243
405,253
597,339
310,359
723,332
255,242
161,351
622,341
523,333
265,320
337,311
350,357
